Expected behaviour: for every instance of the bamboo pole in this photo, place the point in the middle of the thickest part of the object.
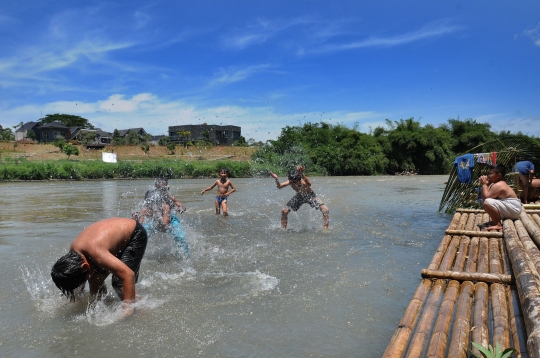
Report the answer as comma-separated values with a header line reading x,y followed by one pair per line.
x,y
439,337
463,210
459,343
482,265
473,255
462,253
494,256
455,221
507,266
519,334
436,260
425,323
474,233
485,218
480,332
469,226
499,311
478,222
531,206
529,295
532,229
468,276
530,248
449,256
532,211
536,219
462,221
399,340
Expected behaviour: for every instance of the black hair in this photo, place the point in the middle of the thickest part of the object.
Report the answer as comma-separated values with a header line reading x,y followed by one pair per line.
x,y
499,169
294,176
162,181
68,274
224,170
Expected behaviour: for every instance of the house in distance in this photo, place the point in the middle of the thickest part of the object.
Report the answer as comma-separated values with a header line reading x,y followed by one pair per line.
x,y
215,134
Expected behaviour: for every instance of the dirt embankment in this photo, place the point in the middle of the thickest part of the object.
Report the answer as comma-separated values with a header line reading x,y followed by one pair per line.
x,y
33,151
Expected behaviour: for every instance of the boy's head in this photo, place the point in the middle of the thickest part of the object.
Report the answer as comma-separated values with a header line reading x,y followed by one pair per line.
x,y
68,273
499,169
224,171
294,175
161,182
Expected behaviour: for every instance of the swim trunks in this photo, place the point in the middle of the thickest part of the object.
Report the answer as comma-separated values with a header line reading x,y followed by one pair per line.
x,y
131,255
220,200
299,199
509,208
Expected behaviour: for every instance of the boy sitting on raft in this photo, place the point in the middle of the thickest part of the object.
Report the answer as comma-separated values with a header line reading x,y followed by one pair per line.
x,y
499,199
304,195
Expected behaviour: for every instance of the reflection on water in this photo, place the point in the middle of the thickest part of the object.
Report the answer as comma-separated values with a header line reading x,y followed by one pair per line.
x,y
247,289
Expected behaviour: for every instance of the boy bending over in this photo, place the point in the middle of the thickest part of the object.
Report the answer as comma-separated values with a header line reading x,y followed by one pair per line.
x,y
499,199
114,245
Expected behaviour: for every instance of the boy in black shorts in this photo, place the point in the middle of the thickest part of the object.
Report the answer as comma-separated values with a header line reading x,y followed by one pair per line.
x,y
304,195
114,245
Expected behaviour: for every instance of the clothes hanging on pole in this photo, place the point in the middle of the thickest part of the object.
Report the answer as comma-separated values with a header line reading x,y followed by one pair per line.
x,y
464,164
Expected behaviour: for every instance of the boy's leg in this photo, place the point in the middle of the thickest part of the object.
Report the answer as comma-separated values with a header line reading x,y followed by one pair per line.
x,y
224,206
284,213
493,213
326,215
177,232
217,207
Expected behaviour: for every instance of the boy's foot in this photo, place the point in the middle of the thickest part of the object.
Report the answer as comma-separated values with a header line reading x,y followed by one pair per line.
x,y
491,226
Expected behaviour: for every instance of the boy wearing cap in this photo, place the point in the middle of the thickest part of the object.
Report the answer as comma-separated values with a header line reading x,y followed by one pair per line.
x,y
304,195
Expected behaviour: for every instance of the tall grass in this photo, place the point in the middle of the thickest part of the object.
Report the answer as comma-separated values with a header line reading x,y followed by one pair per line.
x,y
22,169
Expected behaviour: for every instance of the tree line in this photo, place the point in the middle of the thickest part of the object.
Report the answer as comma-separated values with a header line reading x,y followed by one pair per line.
x,y
400,146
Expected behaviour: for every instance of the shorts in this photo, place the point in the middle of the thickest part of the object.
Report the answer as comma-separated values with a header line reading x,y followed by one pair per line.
x,y
299,199
133,253
220,199
508,208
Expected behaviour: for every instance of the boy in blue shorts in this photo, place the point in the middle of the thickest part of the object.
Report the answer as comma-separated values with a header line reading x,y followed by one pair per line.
x,y
223,192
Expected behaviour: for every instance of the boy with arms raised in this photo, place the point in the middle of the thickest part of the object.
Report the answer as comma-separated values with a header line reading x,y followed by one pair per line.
x,y
499,199
114,245
304,195
223,192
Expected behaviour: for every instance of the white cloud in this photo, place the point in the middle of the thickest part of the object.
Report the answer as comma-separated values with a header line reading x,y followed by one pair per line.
x,y
534,34
156,114
236,75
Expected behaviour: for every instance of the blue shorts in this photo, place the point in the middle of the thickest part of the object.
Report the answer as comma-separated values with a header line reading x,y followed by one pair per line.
x,y
220,200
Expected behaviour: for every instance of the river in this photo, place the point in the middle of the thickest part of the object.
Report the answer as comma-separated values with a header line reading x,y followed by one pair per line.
x,y
248,288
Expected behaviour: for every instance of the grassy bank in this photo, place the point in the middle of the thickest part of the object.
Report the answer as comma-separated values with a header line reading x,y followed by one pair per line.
x,y
22,169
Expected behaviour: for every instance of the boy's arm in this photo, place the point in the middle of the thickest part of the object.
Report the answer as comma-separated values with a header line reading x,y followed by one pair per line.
x,y
233,189
210,187
493,191
96,283
112,264
278,184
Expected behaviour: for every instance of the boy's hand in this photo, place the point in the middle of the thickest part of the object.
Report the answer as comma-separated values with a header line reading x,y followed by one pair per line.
x,y
202,192
273,175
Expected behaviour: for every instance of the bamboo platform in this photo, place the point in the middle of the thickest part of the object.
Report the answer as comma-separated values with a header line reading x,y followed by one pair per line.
x,y
479,287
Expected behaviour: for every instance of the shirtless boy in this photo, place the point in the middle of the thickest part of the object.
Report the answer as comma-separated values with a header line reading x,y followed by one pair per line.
x,y
304,195
499,199
114,245
223,192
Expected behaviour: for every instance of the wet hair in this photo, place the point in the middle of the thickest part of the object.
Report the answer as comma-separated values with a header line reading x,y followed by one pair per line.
x,y
499,169
294,176
224,170
68,274
162,181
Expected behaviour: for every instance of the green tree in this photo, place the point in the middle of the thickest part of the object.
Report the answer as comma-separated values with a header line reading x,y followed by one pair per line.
x,y
183,137
30,134
469,134
88,137
132,138
171,147
6,134
164,141
67,120
60,142
70,149
241,142
145,148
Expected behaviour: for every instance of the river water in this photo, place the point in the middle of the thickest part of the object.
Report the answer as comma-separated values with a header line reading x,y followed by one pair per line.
x,y
248,289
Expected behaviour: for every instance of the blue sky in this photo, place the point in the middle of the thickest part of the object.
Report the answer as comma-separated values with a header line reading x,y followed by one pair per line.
x,y
265,65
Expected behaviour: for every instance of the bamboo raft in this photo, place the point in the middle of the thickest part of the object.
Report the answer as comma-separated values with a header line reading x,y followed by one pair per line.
x,y
481,287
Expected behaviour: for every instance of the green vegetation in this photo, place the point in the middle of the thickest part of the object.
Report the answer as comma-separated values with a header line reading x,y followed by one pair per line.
x,y
403,145
68,120
22,169
493,353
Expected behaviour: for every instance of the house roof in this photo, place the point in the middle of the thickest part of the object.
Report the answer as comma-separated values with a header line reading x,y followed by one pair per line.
x,y
27,126
52,125
123,132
